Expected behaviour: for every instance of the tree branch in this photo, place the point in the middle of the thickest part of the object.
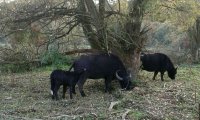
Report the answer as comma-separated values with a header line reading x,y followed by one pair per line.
x,y
82,51
70,29
60,12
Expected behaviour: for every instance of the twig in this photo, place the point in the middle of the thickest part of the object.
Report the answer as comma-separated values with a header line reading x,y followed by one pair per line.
x,y
61,116
125,114
113,104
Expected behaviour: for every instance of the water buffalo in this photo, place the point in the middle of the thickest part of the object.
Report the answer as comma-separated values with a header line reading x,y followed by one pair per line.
x,y
158,62
65,78
102,65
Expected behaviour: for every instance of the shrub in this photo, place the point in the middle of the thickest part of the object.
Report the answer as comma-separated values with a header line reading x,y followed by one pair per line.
x,y
54,58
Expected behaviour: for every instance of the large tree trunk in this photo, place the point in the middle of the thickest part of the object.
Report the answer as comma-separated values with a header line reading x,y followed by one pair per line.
x,y
130,40
194,33
132,63
133,29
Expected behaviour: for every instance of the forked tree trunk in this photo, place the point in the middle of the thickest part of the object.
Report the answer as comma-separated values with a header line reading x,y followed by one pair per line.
x,y
94,28
134,34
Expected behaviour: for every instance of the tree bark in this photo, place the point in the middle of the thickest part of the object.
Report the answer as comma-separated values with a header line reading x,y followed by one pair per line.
x,y
194,33
132,63
92,20
133,30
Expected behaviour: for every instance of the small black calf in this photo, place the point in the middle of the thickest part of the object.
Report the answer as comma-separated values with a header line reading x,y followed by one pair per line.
x,y
65,78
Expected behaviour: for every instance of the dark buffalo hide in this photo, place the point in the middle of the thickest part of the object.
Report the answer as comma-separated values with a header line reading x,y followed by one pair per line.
x,y
65,78
158,62
107,66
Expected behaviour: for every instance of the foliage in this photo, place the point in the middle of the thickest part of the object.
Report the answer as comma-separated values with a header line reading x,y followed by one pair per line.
x,y
181,13
15,68
54,58
161,35
17,58
177,16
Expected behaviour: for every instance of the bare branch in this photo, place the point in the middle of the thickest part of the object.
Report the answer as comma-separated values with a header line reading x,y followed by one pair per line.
x,y
60,12
70,29
82,51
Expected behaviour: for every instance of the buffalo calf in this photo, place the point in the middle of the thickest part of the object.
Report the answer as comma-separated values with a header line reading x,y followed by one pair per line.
x,y
158,62
65,78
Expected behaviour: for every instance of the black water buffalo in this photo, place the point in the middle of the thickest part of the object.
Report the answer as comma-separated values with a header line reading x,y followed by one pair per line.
x,y
103,65
158,62
65,78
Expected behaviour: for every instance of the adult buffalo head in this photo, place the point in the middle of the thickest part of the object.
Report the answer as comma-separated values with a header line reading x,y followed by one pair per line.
x,y
124,79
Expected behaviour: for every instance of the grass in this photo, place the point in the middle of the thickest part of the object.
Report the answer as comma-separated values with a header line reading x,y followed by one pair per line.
x,y
27,96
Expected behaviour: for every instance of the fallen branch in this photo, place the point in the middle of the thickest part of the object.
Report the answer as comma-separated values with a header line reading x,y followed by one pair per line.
x,y
125,114
61,116
82,51
113,104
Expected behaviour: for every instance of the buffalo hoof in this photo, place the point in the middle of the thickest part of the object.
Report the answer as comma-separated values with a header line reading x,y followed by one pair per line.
x,y
52,97
106,91
71,97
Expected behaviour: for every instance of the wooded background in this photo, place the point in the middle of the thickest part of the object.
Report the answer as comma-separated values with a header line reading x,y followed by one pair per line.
x,y
35,32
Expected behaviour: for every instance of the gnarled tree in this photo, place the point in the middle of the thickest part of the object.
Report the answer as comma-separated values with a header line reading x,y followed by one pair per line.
x,y
105,27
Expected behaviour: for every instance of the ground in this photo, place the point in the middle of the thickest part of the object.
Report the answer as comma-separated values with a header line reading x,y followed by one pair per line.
x,y
27,96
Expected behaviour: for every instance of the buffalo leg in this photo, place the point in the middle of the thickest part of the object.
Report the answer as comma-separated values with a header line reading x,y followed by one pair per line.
x,y
162,74
155,73
53,97
108,84
64,91
55,92
70,91
73,89
80,83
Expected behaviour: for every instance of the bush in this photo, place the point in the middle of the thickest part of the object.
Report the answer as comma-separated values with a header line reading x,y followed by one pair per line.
x,y
15,68
54,58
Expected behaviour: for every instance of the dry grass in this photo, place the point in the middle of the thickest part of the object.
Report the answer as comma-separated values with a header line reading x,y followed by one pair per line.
x,y
27,96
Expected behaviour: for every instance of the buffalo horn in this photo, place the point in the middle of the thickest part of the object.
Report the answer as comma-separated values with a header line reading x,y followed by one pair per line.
x,y
118,77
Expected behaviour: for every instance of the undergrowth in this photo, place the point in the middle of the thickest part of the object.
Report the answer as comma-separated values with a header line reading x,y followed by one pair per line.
x,y
27,96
